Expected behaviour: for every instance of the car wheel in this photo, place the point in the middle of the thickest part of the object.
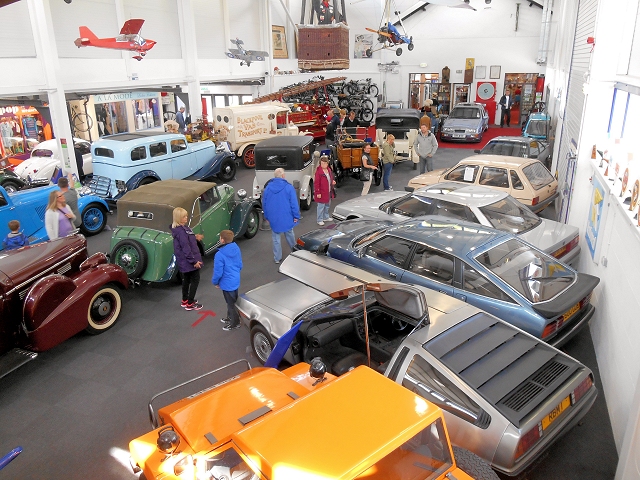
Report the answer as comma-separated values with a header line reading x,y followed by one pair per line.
x,y
261,343
473,465
94,218
249,157
11,187
306,203
104,310
131,256
253,224
227,170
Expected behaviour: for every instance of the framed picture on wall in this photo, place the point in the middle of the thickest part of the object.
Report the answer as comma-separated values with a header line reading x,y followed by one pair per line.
x,y
481,71
279,42
494,71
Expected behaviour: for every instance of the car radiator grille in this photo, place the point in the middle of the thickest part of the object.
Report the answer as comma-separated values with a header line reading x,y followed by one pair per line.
x,y
459,131
64,269
40,211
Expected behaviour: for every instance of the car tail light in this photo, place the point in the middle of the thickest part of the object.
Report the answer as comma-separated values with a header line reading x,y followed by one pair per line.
x,y
581,389
549,329
528,440
535,201
300,242
556,324
566,248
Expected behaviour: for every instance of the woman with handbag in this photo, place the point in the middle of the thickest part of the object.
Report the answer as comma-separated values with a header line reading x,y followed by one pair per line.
x,y
368,169
58,219
323,189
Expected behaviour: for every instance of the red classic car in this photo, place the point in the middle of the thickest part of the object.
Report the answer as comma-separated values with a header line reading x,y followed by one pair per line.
x,y
51,291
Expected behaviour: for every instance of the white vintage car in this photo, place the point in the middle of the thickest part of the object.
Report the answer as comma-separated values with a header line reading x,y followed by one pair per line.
x,y
45,158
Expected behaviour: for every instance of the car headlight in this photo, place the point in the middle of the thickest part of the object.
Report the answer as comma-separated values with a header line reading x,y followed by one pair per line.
x,y
447,129
121,185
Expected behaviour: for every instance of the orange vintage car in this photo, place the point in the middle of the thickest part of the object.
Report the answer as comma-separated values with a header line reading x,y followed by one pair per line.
x,y
525,179
301,423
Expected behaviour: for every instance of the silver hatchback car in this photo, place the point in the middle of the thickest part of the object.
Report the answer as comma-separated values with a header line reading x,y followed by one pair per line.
x,y
471,203
466,123
506,395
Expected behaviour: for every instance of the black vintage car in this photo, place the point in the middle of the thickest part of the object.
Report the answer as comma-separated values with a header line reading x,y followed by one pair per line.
x,y
295,156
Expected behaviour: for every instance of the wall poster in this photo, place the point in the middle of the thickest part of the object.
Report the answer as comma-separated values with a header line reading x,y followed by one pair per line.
x,y
363,43
596,210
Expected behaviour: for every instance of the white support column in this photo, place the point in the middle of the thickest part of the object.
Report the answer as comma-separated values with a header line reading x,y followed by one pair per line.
x,y
47,53
190,57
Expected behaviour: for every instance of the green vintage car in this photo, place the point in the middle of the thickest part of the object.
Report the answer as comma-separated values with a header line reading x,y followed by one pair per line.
x,y
142,242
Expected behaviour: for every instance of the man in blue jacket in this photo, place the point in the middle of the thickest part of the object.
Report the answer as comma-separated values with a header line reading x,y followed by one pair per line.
x,y
226,276
282,211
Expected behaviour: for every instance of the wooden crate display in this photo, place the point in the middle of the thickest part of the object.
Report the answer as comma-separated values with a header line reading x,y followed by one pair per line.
x,y
323,47
352,157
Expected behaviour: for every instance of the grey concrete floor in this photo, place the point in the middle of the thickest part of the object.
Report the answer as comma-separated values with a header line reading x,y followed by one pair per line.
x,y
76,407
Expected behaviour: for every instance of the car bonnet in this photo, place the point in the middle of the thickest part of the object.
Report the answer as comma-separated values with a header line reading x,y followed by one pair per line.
x,y
367,205
549,236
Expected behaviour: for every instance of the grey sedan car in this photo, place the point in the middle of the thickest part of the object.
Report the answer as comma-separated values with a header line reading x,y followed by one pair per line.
x,y
519,147
470,203
466,123
506,396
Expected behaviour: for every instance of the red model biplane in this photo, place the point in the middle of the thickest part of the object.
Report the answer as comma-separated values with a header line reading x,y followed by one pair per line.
x,y
129,39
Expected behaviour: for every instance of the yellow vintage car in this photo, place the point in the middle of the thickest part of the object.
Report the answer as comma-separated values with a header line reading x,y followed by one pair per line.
x,y
301,423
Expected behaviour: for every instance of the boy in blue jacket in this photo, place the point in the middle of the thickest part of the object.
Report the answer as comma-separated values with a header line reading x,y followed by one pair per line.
x,y
15,238
226,276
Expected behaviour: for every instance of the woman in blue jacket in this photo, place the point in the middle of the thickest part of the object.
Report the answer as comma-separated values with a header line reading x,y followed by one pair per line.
x,y
188,258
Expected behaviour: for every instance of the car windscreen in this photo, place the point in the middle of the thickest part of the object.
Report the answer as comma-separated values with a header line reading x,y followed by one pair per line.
x,y
538,175
512,149
537,127
511,216
42,152
535,275
465,112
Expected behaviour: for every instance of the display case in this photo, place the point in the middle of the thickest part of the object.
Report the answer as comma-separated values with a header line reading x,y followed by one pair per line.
x,y
444,97
460,93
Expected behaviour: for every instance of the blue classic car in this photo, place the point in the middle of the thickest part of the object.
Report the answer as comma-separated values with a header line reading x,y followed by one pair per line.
x,y
466,123
28,207
125,161
492,270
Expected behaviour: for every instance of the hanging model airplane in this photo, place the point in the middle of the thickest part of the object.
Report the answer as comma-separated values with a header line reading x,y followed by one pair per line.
x,y
129,39
245,56
388,35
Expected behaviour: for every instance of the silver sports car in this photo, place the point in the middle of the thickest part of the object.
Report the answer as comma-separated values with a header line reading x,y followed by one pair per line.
x,y
470,203
507,395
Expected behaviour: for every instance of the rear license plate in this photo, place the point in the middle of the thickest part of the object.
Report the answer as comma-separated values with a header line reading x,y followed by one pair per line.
x,y
555,413
570,312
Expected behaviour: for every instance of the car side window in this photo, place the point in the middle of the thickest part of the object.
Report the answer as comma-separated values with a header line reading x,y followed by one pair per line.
x,y
391,250
157,149
178,145
208,199
432,264
463,173
103,152
534,149
515,180
138,153
475,283
454,210
494,177
425,380
414,206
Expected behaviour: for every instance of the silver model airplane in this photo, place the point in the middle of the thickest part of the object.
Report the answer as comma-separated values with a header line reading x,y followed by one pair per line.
x,y
245,56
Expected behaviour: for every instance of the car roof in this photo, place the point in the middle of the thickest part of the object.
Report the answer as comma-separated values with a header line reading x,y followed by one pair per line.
x,y
298,141
468,104
160,198
125,141
513,139
448,234
471,195
346,433
497,160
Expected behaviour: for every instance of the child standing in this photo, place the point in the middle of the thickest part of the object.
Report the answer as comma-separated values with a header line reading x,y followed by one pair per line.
x,y
226,276
188,258
15,238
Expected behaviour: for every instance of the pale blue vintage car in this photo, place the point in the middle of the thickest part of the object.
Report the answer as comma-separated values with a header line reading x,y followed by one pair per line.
x,y
125,161
28,207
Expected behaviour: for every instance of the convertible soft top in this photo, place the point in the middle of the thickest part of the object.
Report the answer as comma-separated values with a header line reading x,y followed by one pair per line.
x,y
151,206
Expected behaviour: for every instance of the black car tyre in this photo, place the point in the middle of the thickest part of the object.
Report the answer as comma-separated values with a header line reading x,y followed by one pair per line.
x,y
473,465
104,309
94,218
249,157
306,203
131,256
253,224
261,343
11,187
227,170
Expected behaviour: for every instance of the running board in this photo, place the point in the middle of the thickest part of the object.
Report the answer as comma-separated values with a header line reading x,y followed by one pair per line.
x,y
14,359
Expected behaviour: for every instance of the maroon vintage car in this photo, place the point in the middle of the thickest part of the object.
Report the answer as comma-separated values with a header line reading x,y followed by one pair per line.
x,y
51,291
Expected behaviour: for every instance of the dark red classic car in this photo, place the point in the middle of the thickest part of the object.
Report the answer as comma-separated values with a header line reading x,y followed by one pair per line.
x,y
51,291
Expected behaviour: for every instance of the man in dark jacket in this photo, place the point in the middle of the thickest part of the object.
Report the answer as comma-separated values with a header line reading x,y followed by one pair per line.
x,y
226,276
281,210
351,124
